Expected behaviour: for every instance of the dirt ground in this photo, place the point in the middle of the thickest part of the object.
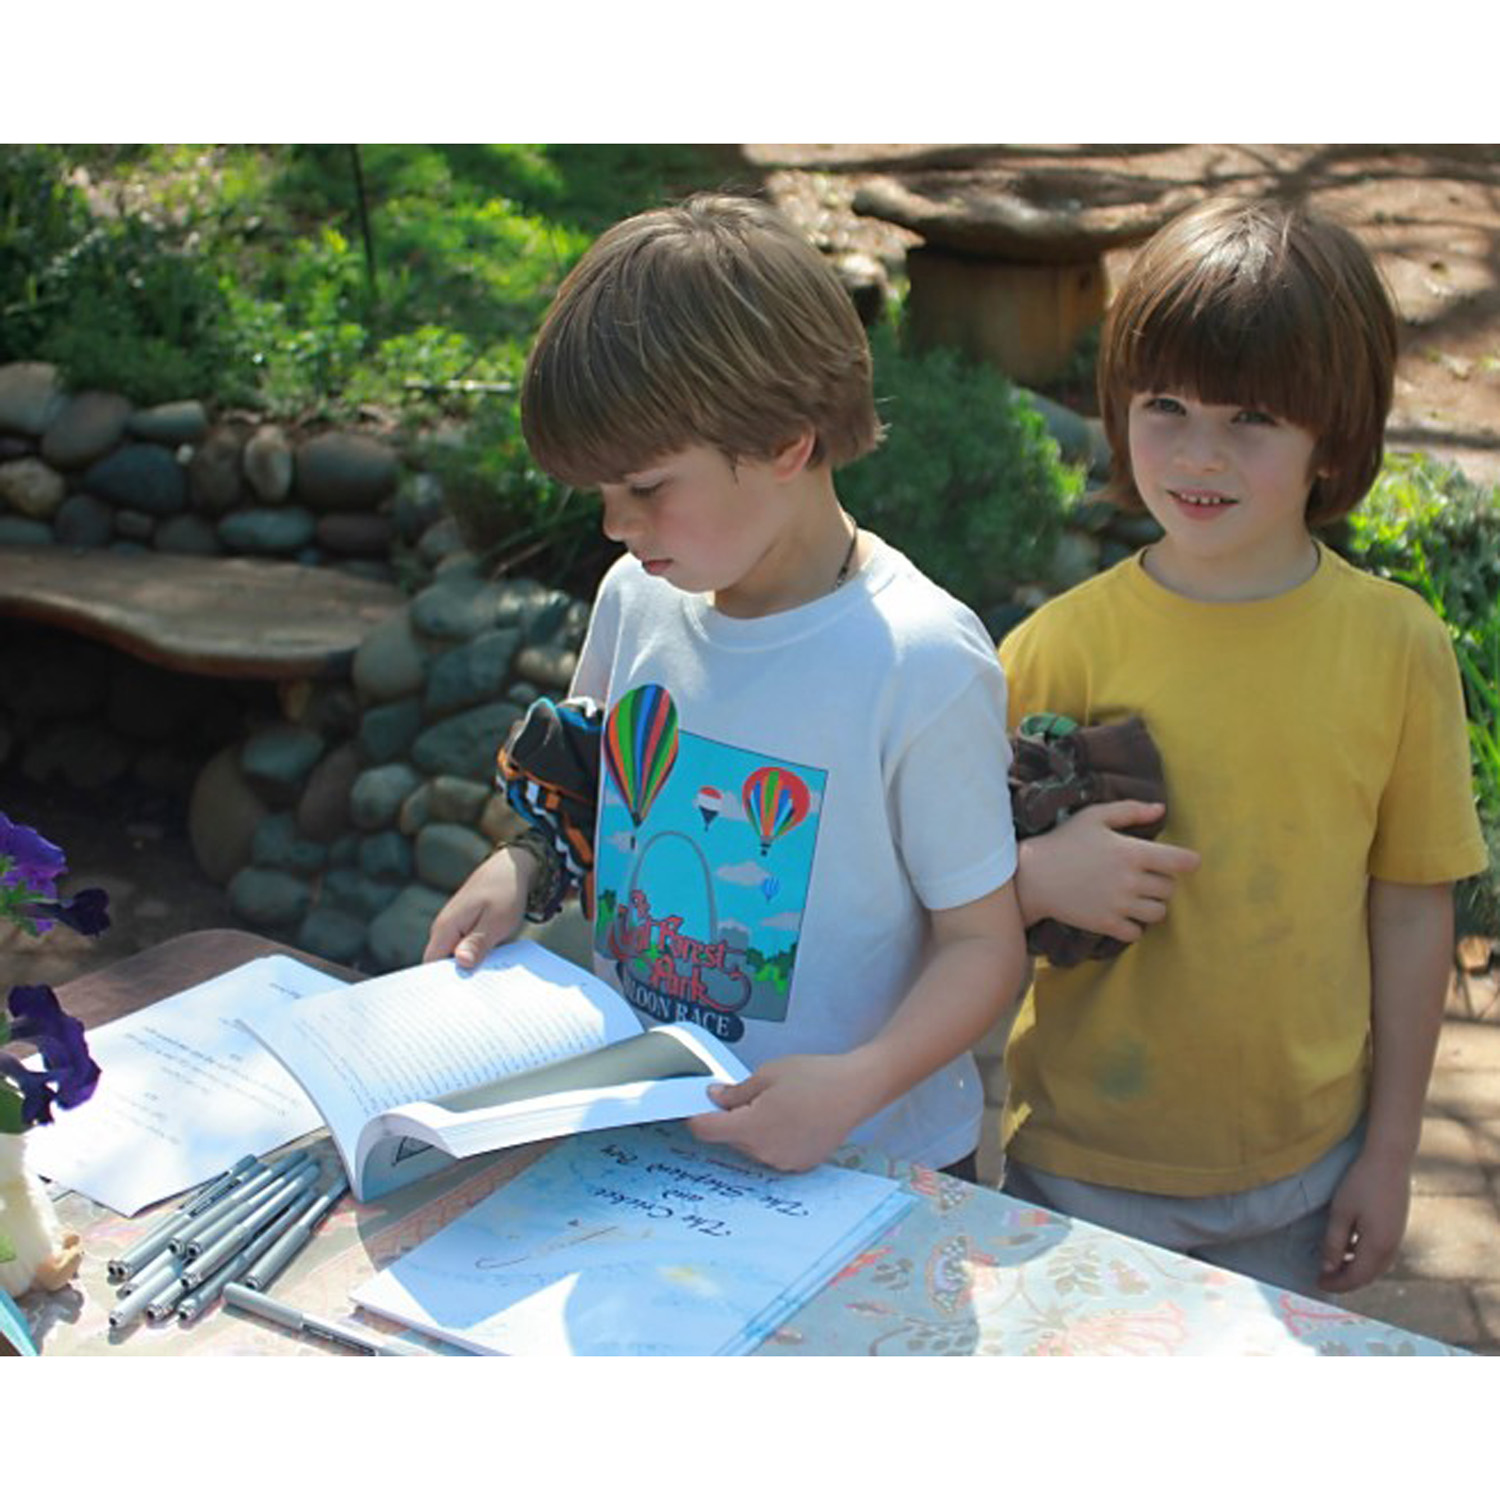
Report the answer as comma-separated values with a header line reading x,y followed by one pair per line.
x,y
1431,213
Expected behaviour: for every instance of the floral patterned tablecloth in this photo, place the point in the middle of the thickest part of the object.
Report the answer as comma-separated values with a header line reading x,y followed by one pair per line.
x,y
968,1271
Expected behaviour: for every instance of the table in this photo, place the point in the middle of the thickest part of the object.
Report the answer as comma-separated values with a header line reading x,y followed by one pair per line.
x,y
967,1271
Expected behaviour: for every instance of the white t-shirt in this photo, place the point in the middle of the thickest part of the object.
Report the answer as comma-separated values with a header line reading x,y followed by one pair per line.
x,y
782,797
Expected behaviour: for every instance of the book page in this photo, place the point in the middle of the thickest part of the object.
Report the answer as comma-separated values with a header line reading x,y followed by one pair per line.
x,y
183,1091
434,1028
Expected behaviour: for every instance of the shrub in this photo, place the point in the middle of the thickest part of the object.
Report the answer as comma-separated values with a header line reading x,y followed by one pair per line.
x,y
968,482
110,301
1427,526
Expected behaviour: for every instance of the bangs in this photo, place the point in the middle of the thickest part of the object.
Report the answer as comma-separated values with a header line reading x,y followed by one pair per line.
x,y
1237,342
593,418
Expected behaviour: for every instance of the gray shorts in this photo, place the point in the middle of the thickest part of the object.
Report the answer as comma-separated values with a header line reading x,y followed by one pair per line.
x,y
1273,1233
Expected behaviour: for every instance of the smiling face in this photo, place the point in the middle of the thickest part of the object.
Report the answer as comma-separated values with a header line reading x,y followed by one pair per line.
x,y
1228,485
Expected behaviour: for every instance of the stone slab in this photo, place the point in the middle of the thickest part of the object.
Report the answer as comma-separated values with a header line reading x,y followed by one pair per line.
x,y
217,616
1447,1162
1439,1309
1449,1239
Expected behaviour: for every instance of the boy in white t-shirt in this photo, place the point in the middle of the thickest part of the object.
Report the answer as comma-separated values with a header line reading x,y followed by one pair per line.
x,y
803,835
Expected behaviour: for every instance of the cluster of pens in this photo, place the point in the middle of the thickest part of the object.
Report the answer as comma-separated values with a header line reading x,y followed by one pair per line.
x,y
242,1227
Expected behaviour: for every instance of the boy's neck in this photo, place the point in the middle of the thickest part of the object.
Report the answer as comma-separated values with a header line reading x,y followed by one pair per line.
x,y
816,553
1233,578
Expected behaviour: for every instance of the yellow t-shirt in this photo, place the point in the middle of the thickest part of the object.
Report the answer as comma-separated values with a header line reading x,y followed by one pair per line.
x,y
1309,741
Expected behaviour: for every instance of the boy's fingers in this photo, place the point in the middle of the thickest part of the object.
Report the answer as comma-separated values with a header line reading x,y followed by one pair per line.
x,y
1337,1247
1128,812
735,1095
471,950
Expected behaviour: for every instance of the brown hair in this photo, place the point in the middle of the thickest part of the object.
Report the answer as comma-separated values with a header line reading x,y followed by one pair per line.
x,y
712,322
1259,304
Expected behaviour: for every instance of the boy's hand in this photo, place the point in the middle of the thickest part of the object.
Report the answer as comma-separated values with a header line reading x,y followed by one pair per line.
x,y
485,911
1366,1221
790,1114
1090,874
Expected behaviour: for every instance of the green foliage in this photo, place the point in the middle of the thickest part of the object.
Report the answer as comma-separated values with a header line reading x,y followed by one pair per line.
x,y
302,279
968,482
110,301
1427,526
509,512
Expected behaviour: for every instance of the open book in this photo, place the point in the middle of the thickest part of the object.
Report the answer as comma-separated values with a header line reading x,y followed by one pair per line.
x,y
418,1067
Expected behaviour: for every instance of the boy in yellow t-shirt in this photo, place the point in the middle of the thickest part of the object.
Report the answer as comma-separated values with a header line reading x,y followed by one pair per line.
x,y
1245,1081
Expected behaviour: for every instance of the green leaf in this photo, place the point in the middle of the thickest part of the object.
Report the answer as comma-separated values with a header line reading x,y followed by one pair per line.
x,y
11,1119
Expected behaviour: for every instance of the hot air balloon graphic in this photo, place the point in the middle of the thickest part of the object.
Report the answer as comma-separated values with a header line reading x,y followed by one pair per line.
x,y
775,801
640,747
769,886
709,802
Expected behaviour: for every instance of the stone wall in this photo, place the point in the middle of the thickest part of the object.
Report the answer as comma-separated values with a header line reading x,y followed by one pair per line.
x,y
339,815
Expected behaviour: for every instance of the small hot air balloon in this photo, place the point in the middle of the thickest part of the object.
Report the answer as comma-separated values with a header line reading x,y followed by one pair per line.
x,y
709,802
775,801
769,886
640,747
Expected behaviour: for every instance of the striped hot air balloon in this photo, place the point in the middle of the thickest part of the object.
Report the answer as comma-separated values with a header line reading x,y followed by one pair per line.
x,y
775,801
640,747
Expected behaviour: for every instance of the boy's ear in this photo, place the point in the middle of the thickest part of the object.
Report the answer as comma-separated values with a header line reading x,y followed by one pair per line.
x,y
793,457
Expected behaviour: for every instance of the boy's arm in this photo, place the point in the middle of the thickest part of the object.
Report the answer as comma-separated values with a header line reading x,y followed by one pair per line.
x,y
1091,873
791,1113
1411,955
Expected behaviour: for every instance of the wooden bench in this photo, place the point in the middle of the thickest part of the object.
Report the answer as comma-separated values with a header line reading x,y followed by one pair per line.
x,y
232,617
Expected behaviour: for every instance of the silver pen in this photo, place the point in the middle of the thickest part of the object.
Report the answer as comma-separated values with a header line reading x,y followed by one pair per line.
x,y
237,1233
271,1264
140,1254
297,1321
199,1298
190,1240
128,1309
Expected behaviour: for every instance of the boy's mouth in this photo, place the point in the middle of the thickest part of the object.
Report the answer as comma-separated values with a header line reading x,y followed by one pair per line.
x,y
1202,499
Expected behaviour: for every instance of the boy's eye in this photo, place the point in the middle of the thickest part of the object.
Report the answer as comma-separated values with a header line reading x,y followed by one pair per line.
x,y
1254,418
643,491
1168,404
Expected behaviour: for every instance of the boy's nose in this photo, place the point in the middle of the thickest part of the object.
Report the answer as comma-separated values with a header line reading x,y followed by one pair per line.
x,y
620,516
1199,445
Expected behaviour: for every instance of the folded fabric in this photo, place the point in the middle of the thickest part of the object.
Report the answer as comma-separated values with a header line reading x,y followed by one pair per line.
x,y
1057,767
549,771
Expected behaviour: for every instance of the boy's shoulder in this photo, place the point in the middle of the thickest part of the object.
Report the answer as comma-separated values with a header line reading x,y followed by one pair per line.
x,y
1382,601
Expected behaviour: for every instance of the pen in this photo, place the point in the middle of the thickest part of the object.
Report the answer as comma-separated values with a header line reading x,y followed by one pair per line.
x,y
296,1321
127,1309
271,1264
123,1267
235,1234
199,1298
254,1188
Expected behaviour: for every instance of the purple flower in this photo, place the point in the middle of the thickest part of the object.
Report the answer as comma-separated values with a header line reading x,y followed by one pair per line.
x,y
68,1075
87,912
26,858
